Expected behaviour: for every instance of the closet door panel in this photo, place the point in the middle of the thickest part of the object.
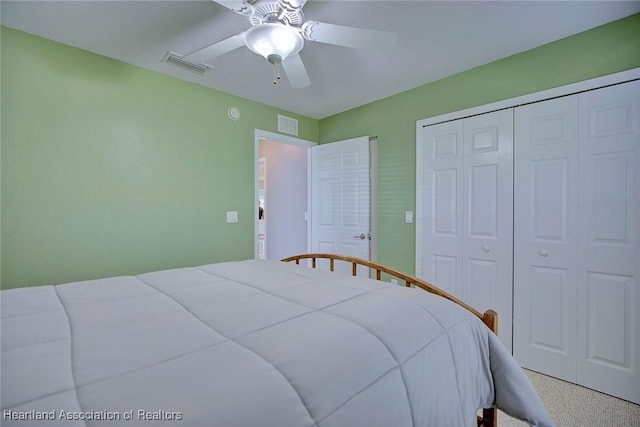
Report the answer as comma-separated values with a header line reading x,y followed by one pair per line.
x,y
488,216
441,206
466,210
609,246
545,226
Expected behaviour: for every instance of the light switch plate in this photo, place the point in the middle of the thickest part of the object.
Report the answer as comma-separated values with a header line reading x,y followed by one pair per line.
x,y
232,217
408,217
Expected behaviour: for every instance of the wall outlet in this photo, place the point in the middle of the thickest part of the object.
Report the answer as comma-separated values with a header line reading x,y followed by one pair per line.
x,y
394,281
232,217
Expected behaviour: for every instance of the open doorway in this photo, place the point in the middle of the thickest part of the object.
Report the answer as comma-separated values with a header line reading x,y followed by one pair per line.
x,y
282,195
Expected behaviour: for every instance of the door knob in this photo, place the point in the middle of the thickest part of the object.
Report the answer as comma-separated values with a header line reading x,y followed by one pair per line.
x,y
543,253
360,236
486,248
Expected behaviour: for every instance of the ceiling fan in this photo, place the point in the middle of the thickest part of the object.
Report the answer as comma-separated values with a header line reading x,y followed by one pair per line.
x,y
278,31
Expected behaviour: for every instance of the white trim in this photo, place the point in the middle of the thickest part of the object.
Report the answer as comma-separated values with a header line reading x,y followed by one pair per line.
x,y
285,139
419,214
259,135
373,198
309,200
569,89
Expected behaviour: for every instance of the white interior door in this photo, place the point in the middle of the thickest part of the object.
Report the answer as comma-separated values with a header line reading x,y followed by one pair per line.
x,y
340,198
545,236
577,245
441,203
466,211
609,243
487,244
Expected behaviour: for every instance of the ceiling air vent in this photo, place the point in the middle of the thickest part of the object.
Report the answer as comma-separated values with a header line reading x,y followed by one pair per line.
x,y
287,125
175,59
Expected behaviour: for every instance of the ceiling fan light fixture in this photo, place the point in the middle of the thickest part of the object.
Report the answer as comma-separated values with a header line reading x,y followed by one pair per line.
x,y
274,39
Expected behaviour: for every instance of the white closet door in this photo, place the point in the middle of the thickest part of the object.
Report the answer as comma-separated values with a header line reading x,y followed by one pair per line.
x,y
609,245
487,244
466,211
545,236
442,161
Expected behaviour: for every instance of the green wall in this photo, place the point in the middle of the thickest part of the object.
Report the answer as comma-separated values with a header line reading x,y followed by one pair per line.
x,y
109,169
603,50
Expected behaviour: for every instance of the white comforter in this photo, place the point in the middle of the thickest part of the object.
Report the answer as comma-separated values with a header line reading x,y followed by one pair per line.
x,y
251,343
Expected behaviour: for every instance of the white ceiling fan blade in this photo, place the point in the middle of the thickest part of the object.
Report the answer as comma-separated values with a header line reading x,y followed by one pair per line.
x,y
348,36
206,54
238,6
296,72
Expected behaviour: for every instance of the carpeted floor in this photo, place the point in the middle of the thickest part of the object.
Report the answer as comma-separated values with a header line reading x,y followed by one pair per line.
x,y
574,406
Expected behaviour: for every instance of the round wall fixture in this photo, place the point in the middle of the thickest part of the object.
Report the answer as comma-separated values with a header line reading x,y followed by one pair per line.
x,y
233,113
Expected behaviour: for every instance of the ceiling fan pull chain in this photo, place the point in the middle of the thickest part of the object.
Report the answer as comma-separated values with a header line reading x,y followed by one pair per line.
x,y
276,73
276,60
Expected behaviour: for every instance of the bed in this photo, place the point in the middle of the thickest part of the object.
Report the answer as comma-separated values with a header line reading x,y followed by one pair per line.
x,y
255,343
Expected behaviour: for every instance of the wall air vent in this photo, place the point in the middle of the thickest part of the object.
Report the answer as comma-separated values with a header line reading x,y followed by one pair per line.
x,y
287,125
175,59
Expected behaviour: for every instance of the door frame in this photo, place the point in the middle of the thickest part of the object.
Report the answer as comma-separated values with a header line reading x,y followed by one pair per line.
x,y
259,135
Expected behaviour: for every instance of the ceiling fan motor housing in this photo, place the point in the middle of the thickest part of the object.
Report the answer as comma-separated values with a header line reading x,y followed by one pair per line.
x,y
276,12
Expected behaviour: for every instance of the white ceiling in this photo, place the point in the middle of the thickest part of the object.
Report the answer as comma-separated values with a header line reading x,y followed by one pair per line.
x,y
435,39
